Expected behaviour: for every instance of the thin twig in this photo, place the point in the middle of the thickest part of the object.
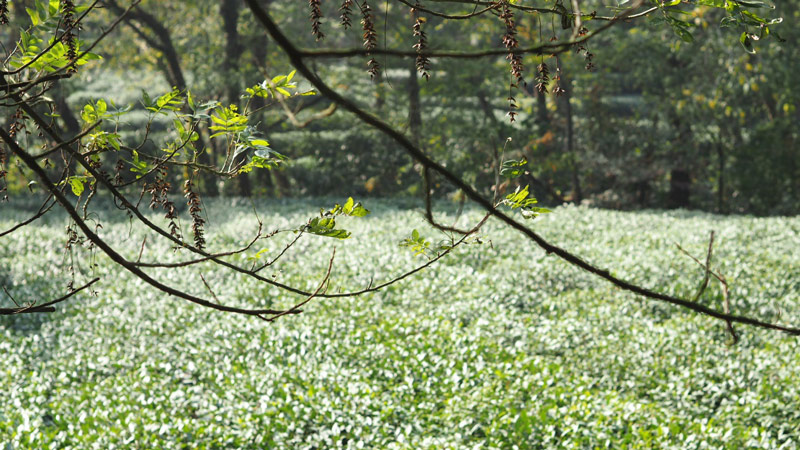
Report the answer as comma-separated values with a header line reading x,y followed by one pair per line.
x,y
42,211
210,291
296,308
29,161
44,307
726,302
10,296
278,256
141,250
539,49
704,284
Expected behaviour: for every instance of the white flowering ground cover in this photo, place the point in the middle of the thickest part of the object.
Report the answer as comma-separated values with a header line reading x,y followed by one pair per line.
x,y
496,347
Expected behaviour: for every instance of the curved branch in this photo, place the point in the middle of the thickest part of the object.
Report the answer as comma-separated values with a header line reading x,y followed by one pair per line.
x,y
77,138
318,116
204,259
108,250
296,57
447,16
144,220
42,211
53,44
539,49
546,10
314,294
44,307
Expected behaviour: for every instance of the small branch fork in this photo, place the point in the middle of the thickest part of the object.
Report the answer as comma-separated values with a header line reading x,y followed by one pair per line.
x,y
297,56
44,209
726,305
324,284
44,307
29,161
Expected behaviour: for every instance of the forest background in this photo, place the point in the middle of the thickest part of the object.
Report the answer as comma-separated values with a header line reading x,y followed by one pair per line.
x,y
646,118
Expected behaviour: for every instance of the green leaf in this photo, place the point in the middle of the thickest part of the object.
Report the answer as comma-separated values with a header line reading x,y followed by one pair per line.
x,y
34,15
147,102
728,21
94,111
754,4
714,3
258,254
520,199
325,226
263,159
747,43
348,205
681,28
171,101
228,121
76,184
513,169
139,166
753,19
359,211
354,209
418,244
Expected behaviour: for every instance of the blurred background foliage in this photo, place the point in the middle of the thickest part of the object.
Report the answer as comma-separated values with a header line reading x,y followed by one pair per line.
x,y
658,122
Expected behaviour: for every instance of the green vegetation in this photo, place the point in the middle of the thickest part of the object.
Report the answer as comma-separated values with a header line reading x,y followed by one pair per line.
x,y
495,346
473,307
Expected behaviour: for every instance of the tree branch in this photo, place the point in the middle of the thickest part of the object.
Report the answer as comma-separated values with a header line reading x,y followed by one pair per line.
x,y
44,307
296,57
29,161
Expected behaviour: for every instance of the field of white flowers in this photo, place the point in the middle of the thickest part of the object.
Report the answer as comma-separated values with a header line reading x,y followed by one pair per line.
x,y
497,346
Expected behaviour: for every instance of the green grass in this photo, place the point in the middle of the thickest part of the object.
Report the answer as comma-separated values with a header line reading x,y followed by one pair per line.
x,y
498,346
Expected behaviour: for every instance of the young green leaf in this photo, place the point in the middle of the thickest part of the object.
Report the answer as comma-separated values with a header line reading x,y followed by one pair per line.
x,y
325,226
512,168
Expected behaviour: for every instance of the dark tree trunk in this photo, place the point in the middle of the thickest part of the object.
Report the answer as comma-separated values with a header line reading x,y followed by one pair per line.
x,y
72,126
18,21
721,207
680,181
528,177
414,107
642,193
161,40
541,109
380,97
229,10
679,188
569,142
171,65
